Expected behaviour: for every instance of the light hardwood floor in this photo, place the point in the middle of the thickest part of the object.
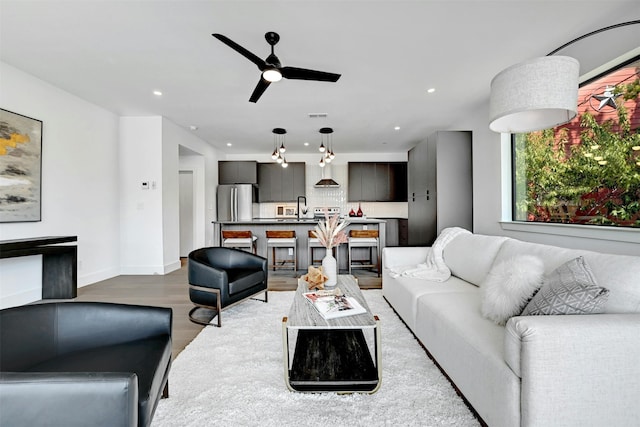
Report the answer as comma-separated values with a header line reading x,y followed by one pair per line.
x,y
170,290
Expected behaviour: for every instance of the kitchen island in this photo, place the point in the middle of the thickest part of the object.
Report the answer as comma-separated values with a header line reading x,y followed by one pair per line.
x,y
259,226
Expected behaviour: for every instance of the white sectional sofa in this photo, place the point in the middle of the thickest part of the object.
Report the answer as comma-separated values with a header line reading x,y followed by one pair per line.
x,y
557,370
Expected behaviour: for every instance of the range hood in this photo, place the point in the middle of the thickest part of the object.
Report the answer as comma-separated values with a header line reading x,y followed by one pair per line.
x,y
326,181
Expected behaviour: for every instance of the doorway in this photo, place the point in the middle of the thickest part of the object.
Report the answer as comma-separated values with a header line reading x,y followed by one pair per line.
x,y
187,209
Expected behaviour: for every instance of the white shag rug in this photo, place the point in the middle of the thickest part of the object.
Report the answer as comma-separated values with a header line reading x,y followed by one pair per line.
x,y
234,376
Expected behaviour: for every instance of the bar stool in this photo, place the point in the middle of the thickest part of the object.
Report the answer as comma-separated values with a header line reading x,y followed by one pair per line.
x,y
239,239
314,243
282,239
364,239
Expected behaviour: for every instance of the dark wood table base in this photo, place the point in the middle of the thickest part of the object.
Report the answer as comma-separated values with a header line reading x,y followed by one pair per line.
x,y
332,360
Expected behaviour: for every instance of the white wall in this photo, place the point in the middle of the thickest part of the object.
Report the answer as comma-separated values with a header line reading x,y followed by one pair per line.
x,y
150,236
93,166
79,183
141,233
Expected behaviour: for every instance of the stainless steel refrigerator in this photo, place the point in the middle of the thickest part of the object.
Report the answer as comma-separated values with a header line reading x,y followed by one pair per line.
x,y
237,202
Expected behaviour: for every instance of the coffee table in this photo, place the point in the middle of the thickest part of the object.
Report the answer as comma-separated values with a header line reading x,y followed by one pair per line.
x,y
332,355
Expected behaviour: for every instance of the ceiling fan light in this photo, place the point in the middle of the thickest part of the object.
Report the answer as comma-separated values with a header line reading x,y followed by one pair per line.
x,y
272,75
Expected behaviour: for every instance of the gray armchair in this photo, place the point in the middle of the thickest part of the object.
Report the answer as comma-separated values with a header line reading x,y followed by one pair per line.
x,y
220,277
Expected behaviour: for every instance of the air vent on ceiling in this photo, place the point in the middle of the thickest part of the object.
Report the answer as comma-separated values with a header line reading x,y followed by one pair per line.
x,y
317,115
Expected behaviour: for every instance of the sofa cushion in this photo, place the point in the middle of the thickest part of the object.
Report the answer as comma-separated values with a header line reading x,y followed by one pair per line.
x,y
470,256
403,293
569,289
509,286
620,274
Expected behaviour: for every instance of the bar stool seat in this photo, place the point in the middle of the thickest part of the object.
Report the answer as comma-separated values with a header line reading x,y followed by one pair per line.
x,y
314,243
282,239
239,239
364,239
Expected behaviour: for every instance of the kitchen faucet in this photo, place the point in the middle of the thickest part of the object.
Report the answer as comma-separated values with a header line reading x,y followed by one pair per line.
x,y
298,207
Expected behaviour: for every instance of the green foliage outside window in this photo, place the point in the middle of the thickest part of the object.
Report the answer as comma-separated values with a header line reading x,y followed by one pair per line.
x,y
595,181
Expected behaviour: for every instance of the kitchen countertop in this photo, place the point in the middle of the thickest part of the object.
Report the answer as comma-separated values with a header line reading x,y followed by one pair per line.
x,y
259,221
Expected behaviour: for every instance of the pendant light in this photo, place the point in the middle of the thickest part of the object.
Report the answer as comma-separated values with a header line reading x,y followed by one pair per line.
x,y
275,153
278,152
328,155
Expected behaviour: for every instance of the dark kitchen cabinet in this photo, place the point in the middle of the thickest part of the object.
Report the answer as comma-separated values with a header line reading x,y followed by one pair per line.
x,y
237,172
278,184
440,186
377,182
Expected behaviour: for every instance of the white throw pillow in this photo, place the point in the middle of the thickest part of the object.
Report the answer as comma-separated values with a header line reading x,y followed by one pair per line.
x,y
508,287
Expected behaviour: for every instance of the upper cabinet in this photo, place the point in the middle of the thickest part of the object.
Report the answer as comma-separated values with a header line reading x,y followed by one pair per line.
x,y
377,182
237,172
278,184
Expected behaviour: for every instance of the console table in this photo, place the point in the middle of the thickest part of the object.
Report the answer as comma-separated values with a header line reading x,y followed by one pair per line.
x,y
59,262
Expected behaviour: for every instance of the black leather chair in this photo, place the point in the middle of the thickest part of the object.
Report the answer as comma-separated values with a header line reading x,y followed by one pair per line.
x,y
220,277
83,364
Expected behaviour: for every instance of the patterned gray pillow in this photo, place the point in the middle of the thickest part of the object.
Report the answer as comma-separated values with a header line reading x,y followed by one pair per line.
x,y
569,289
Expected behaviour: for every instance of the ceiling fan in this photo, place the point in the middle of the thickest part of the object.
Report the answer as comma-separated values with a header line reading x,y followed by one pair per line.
x,y
272,69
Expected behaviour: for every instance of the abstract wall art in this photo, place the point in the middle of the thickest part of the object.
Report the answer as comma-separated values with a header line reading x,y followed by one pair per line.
x,y
20,167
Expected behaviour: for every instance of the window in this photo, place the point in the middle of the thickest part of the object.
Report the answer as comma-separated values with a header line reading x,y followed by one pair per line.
x,y
586,171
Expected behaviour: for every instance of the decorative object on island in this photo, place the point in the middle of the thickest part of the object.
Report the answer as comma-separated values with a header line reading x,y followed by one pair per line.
x,y
359,213
20,167
330,233
278,152
327,151
540,93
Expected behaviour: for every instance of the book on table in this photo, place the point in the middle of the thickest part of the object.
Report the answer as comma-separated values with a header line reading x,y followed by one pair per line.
x,y
334,305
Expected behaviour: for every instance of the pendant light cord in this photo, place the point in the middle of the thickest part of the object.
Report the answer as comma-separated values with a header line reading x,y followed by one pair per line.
x,y
601,30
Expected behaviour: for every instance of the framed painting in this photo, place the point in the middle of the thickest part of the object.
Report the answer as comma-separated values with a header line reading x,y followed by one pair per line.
x,y
20,167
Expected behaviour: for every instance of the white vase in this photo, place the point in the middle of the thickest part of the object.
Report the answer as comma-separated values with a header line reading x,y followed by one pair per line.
x,y
330,269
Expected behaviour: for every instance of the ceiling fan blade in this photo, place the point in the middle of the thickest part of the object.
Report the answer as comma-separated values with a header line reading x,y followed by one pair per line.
x,y
259,90
242,51
304,74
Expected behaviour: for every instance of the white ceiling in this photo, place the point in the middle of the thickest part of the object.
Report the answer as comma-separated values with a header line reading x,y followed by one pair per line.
x,y
115,53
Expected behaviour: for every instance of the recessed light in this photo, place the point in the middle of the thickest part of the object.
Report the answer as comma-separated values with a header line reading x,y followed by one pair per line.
x,y
431,90
193,127
306,144
157,93
229,144
397,128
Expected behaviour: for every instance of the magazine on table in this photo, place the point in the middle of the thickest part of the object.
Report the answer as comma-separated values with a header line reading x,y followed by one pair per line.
x,y
332,306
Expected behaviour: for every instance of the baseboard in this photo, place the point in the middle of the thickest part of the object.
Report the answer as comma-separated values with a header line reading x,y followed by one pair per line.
x,y
150,269
176,265
97,276
21,298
